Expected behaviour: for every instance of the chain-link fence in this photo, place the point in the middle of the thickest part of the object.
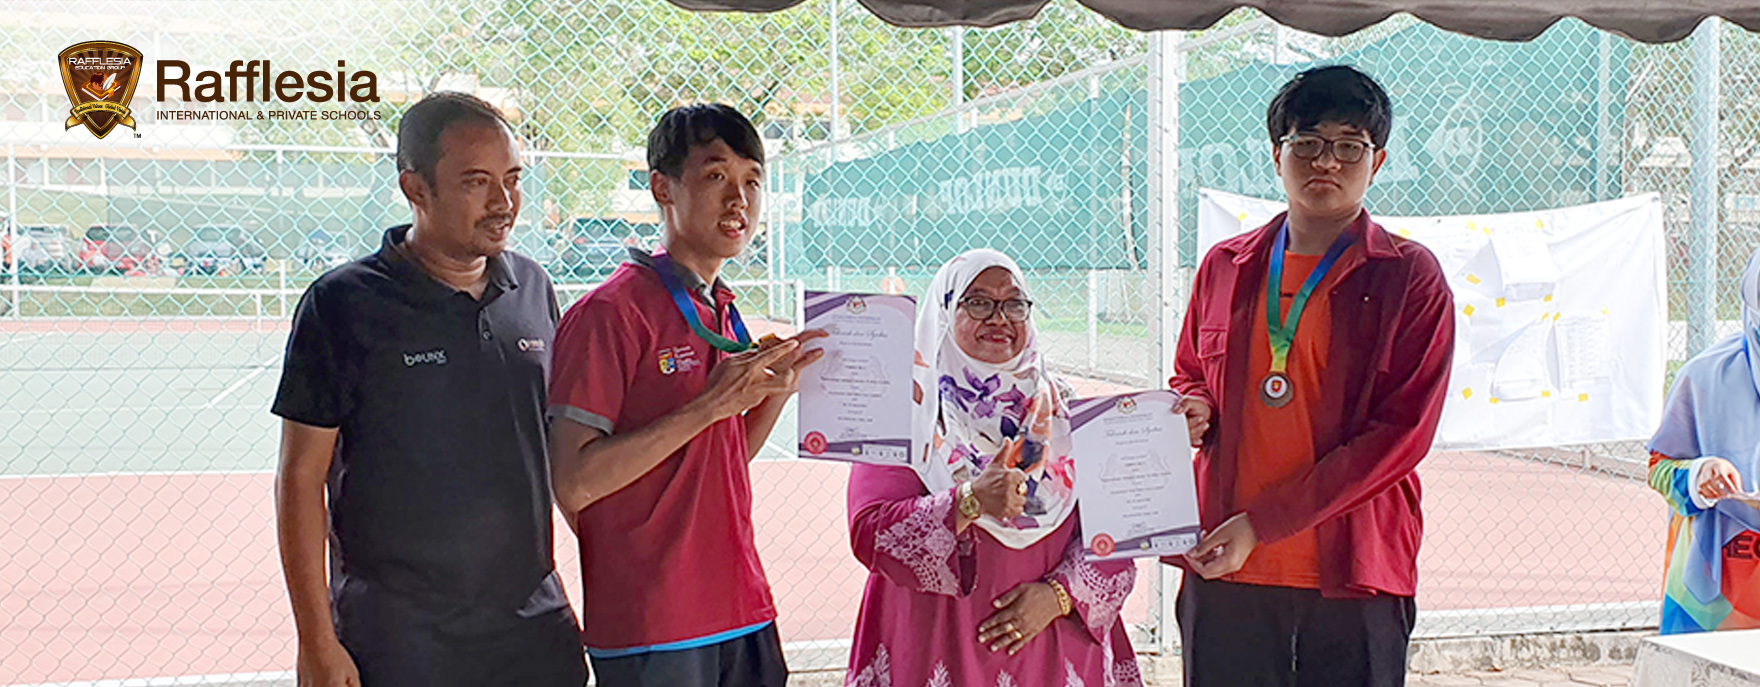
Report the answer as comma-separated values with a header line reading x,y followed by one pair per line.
x,y
149,275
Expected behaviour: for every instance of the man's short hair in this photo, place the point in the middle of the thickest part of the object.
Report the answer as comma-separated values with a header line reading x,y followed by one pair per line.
x,y
418,134
688,126
1338,93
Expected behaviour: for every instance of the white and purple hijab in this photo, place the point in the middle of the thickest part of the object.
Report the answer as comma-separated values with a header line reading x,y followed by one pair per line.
x,y
970,410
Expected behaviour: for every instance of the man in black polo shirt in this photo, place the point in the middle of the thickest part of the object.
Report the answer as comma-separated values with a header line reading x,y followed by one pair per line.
x,y
412,438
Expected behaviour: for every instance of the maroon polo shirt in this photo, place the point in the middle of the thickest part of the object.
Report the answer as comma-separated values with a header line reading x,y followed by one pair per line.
x,y
670,557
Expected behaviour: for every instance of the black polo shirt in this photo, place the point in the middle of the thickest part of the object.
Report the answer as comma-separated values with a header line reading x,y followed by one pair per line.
x,y
439,492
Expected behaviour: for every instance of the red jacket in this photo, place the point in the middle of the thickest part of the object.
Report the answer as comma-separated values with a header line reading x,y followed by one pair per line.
x,y
1392,344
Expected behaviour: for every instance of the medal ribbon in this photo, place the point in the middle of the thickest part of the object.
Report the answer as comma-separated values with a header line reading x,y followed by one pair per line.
x,y
664,267
1283,333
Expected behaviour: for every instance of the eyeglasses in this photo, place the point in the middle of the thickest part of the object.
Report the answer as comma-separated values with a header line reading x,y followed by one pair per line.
x,y
1345,150
981,308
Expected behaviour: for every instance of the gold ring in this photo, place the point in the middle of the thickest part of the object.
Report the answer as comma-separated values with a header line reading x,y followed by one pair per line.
x,y
1021,489
1017,635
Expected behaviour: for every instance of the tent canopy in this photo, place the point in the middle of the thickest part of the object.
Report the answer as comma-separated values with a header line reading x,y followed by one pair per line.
x,y
1651,21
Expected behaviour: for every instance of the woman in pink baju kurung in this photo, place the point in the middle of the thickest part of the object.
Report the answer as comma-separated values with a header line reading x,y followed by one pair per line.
x,y
954,600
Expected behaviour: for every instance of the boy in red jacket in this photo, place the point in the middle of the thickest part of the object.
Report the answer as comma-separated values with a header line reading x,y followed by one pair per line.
x,y
1313,364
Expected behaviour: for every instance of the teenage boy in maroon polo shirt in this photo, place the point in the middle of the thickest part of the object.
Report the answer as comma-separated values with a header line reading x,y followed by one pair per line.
x,y
659,401
1313,364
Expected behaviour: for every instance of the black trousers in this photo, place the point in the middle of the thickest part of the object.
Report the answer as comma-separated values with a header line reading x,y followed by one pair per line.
x,y
754,660
537,652
1243,635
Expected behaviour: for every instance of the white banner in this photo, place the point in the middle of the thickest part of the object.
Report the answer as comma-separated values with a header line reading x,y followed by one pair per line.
x,y
1559,316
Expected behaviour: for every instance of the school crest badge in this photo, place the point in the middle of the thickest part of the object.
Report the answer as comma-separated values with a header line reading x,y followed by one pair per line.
x,y
100,77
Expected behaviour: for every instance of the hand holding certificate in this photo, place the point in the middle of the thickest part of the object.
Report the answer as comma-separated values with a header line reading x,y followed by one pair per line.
x,y
855,404
1133,467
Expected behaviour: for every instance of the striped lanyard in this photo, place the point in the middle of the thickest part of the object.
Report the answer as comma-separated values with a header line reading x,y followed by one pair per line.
x,y
664,266
1283,332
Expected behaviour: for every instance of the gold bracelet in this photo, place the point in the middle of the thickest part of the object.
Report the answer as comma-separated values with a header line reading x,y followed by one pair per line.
x,y
1063,603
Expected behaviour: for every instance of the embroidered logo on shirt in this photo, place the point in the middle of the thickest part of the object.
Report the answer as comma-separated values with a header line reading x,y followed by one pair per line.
x,y
678,359
434,357
531,345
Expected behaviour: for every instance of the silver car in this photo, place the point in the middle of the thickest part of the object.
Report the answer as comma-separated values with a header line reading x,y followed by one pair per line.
x,y
46,249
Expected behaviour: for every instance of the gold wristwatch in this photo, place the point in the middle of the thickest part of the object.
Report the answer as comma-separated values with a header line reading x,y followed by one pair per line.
x,y
968,502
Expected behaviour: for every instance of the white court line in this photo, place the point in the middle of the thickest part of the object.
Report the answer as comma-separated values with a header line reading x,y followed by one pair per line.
x,y
231,679
838,647
114,409
21,337
235,385
228,473
148,473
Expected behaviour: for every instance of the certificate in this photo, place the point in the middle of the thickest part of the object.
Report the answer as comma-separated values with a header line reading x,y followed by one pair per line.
x,y
855,402
1133,465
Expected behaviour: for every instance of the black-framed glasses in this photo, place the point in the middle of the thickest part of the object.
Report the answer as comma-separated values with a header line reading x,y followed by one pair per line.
x,y
1346,150
982,308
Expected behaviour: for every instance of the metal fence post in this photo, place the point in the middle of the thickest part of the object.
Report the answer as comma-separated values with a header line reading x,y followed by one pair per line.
x,y
836,90
1166,72
281,286
1093,320
959,64
12,247
770,274
1702,241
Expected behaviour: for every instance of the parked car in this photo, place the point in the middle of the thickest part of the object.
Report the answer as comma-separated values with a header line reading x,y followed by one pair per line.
x,y
219,248
534,243
121,249
209,252
95,254
6,246
111,249
594,246
321,252
251,255
45,250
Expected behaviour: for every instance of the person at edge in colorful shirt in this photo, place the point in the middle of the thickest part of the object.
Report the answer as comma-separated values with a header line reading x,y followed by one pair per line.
x,y
977,573
1706,461
659,401
1313,363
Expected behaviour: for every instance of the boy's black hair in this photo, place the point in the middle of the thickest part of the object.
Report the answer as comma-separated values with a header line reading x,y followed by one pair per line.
x,y
688,126
418,133
1338,93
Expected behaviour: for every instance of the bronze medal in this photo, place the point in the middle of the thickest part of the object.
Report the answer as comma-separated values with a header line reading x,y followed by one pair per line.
x,y
1276,390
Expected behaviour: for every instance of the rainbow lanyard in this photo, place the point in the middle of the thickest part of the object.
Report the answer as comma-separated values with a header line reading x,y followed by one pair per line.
x,y
664,266
1283,333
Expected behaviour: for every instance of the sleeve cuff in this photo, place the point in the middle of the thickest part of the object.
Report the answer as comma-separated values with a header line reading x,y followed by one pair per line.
x,y
1694,469
308,419
590,419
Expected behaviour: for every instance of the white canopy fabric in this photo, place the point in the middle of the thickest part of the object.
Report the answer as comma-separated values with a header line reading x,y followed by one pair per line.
x,y
1651,21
